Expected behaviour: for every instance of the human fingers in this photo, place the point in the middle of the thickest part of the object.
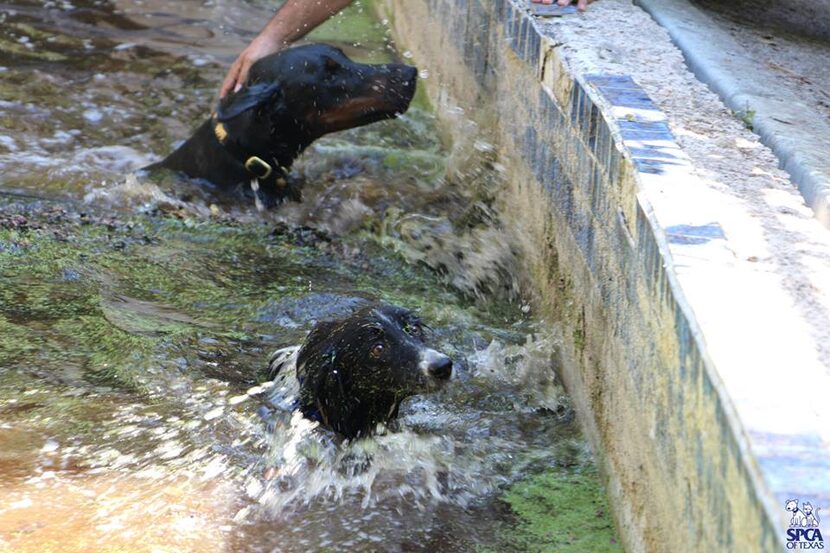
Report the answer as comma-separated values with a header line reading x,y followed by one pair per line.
x,y
581,5
243,73
232,78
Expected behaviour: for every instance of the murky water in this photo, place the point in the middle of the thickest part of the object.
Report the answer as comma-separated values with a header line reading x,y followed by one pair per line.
x,y
133,320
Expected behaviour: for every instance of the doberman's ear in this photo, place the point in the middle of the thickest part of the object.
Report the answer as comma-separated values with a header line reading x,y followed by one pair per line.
x,y
247,97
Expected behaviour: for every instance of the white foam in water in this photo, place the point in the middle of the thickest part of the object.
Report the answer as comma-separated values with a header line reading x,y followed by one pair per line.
x,y
8,142
131,191
310,466
455,460
114,159
93,115
530,369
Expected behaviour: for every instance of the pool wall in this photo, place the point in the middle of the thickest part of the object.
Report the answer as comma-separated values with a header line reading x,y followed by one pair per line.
x,y
589,157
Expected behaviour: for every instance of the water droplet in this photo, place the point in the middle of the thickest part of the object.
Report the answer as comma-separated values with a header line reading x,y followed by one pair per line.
x,y
214,413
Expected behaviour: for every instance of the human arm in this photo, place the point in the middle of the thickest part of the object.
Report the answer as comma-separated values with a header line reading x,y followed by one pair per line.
x,y
291,22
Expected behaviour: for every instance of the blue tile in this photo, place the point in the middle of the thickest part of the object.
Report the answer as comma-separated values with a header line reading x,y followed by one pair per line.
x,y
577,96
554,118
630,133
535,44
612,82
655,127
555,169
508,22
656,166
614,161
590,244
603,142
522,36
694,235
589,126
654,152
628,98
563,196
598,195
543,10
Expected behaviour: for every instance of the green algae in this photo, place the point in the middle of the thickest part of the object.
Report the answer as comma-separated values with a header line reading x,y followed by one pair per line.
x,y
110,307
358,32
562,511
119,298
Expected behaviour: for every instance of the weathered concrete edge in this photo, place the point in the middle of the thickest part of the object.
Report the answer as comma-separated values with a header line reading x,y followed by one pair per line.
x,y
807,168
727,504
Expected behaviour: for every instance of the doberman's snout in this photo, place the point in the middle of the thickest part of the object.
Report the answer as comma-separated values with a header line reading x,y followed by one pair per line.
x,y
401,79
408,74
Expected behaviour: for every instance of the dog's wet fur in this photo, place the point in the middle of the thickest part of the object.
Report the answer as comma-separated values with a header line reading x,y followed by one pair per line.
x,y
291,98
353,373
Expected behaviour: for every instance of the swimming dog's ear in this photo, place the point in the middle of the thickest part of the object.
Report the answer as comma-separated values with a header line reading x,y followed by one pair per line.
x,y
247,97
317,336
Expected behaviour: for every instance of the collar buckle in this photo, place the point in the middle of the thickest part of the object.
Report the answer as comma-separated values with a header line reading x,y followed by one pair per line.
x,y
258,167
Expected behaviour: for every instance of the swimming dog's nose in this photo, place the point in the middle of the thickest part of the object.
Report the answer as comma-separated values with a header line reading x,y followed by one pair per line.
x,y
441,368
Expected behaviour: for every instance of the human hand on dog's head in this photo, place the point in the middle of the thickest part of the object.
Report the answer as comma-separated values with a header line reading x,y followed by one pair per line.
x,y
263,45
291,22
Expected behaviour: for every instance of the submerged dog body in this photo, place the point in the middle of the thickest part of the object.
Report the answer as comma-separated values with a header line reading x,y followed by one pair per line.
x,y
353,374
291,98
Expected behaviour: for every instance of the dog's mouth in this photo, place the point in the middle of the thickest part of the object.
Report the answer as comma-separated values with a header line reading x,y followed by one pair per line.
x,y
386,97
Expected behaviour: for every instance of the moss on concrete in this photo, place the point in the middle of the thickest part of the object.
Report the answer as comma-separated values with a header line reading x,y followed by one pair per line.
x,y
562,511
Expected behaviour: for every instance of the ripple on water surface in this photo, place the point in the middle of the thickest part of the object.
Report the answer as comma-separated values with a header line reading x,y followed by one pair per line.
x,y
133,319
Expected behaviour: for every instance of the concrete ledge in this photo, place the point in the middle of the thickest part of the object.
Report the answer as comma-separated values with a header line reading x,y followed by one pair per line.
x,y
685,387
743,86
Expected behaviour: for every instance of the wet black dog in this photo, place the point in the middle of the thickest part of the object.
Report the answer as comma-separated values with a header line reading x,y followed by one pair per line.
x,y
291,98
353,373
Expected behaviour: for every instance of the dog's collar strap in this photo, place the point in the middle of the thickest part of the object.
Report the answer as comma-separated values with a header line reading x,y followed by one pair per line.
x,y
254,164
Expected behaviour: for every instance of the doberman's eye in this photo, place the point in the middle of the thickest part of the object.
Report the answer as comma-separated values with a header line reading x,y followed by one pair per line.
x,y
378,349
332,64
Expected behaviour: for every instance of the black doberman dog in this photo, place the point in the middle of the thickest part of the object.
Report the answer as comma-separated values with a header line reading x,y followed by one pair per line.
x,y
353,373
291,98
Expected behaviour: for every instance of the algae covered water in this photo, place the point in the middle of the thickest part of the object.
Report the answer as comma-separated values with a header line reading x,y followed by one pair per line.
x,y
135,316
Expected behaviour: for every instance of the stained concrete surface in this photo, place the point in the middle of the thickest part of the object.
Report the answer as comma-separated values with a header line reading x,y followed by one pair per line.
x,y
773,75
687,278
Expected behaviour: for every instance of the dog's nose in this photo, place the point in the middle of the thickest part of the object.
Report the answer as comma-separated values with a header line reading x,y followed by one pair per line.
x,y
409,73
404,74
441,368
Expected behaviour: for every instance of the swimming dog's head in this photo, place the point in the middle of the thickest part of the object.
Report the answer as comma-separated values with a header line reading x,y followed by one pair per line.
x,y
354,373
302,93
290,99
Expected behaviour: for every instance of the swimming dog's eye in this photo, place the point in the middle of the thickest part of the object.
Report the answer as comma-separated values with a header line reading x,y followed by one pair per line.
x,y
377,349
414,329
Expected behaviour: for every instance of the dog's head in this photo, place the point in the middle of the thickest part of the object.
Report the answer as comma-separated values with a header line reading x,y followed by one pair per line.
x,y
304,92
354,373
